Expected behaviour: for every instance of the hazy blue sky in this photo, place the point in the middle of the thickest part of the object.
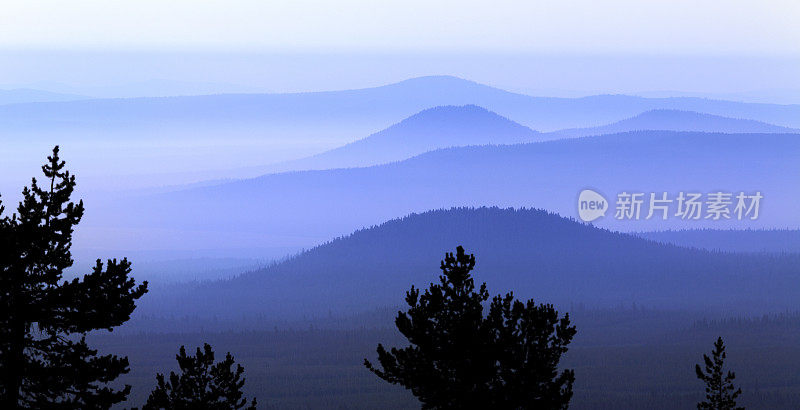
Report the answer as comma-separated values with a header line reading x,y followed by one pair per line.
x,y
560,47
724,26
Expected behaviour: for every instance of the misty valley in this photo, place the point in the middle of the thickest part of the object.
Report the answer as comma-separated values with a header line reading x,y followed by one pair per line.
x,y
416,244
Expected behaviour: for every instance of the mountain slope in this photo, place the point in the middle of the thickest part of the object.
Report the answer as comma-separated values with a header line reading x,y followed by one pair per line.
x,y
678,120
434,128
771,241
532,252
303,208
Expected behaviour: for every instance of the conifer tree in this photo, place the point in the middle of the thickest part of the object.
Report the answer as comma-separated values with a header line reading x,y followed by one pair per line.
x,y
202,384
720,391
460,359
45,361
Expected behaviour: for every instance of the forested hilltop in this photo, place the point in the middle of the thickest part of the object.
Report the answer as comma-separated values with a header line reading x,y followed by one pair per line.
x,y
533,252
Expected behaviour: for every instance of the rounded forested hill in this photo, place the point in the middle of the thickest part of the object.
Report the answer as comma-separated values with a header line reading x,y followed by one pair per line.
x,y
532,252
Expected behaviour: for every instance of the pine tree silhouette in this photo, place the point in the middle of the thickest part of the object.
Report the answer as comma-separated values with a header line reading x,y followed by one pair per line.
x,y
202,384
45,361
460,359
720,392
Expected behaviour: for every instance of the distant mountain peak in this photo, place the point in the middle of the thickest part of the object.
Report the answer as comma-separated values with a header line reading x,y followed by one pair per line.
x,y
675,113
430,129
438,127
469,112
713,122
445,85
668,119
428,79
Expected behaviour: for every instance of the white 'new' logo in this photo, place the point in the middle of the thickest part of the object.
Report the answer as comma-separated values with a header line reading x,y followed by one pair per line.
x,y
591,205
